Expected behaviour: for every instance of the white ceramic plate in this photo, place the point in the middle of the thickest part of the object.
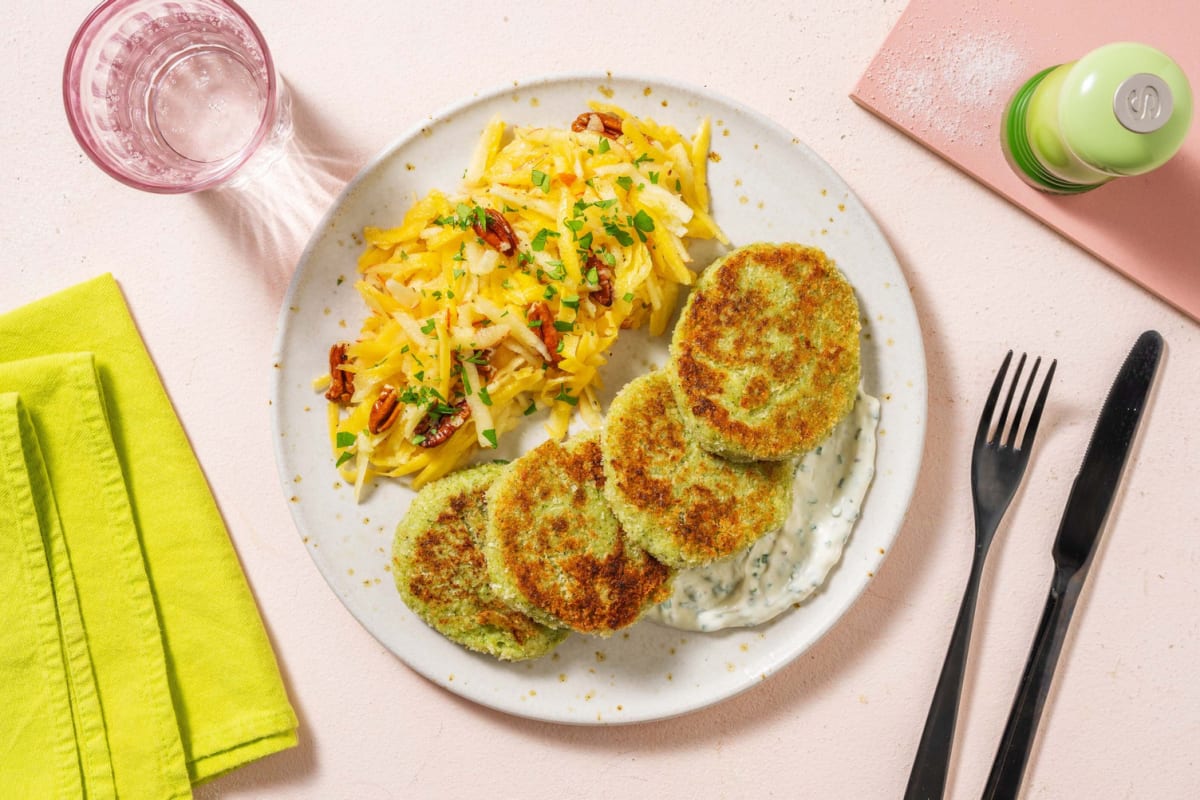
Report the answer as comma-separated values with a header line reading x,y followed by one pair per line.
x,y
766,186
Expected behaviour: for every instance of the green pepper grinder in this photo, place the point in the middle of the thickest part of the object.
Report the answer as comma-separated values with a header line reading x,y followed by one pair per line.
x,y
1123,109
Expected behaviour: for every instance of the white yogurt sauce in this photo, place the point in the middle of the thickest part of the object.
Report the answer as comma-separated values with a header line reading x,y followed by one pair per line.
x,y
784,567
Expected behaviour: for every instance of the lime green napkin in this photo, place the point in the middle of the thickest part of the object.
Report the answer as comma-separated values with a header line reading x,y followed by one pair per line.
x,y
131,650
54,722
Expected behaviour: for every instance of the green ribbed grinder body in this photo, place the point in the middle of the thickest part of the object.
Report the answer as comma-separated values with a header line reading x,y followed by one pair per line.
x,y
1123,109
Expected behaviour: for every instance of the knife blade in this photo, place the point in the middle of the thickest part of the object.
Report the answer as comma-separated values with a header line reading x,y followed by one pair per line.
x,y
1092,493
1079,531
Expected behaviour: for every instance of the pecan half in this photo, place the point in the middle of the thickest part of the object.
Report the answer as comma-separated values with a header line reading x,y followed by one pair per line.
x,y
341,382
603,293
607,125
437,431
483,365
497,232
540,314
385,412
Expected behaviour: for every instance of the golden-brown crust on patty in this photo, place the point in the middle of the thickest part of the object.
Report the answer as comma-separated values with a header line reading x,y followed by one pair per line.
x,y
441,574
556,551
765,358
684,505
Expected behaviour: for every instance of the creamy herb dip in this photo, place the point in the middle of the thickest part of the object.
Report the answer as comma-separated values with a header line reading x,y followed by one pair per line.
x,y
784,567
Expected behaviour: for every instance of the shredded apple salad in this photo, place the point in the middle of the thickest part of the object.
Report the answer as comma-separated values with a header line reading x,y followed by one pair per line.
x,y
490,304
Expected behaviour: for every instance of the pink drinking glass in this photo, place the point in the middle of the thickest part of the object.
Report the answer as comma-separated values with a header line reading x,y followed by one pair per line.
x,y
175,96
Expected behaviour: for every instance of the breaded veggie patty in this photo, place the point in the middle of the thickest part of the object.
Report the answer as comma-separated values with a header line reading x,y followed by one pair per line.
x,y
683,504
442,576
554,548
765,358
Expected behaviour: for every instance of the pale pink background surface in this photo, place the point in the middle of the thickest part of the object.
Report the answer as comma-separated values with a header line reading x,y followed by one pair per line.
x,y
948,69
205,276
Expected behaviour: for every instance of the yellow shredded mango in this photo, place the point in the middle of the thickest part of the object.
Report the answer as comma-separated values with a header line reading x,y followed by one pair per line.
x,y
454,324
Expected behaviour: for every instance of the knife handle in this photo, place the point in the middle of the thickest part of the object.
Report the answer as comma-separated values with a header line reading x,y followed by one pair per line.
x,y
1004,782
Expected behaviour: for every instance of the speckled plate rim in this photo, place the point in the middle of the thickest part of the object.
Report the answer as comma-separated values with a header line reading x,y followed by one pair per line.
x,y
629,678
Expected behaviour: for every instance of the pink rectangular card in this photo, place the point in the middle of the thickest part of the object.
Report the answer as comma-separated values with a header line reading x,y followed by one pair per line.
x,y
948,69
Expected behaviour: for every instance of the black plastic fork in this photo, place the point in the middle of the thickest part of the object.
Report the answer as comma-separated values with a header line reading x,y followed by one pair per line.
x,y
997,466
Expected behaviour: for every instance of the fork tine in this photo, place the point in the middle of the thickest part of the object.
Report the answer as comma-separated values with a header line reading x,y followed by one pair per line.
x,y
985,419
1036,416
1016,423
1008,402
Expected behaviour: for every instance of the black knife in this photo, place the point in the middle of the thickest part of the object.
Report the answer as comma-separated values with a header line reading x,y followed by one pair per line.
x,y
1087,508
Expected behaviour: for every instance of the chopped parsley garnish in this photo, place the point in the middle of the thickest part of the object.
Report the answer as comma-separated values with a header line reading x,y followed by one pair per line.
x,y
463,217
629,297
571,302
643,221
625,182
550,292
563,326
345,439
343,458
531,408
643,158
557,270
541,180
484,396
604,146
592,276
654,177
615,230
539,240
490,435
429,327
566,398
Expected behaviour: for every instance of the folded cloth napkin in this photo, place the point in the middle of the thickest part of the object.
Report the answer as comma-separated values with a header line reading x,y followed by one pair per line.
x,y
133,662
